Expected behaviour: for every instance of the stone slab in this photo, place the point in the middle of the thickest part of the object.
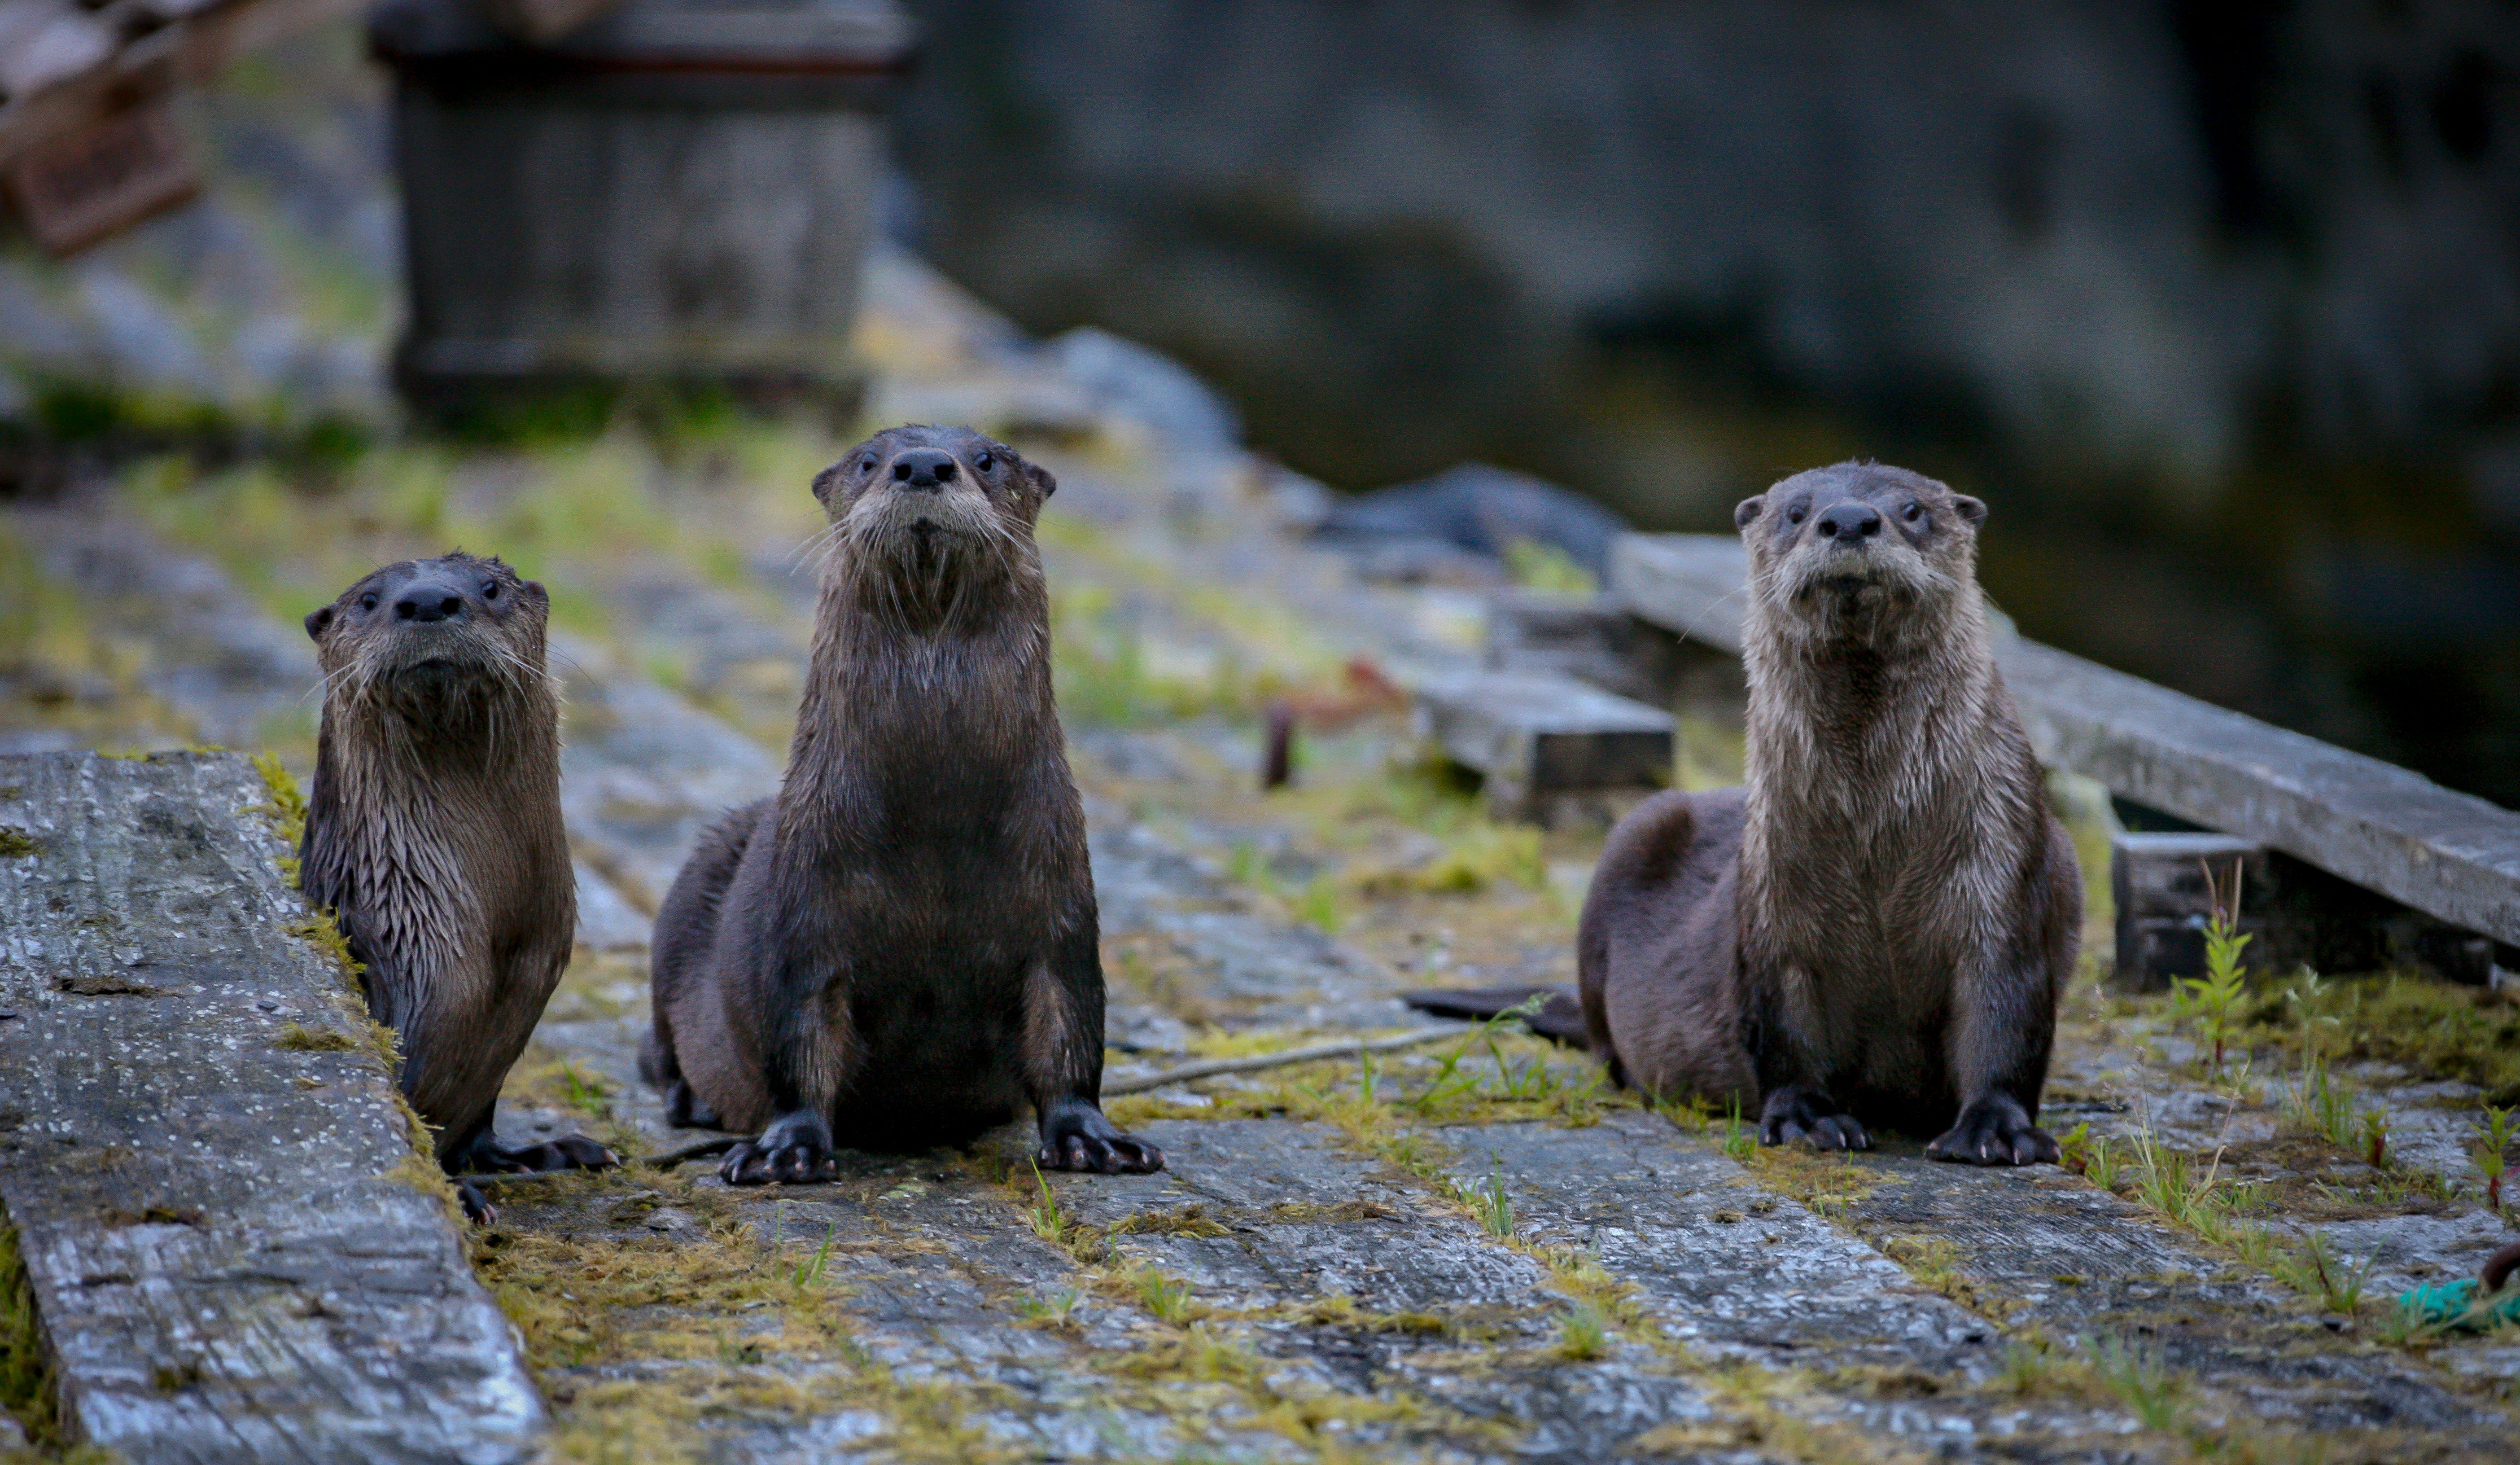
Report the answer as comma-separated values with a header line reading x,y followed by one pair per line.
x,y
225,1266
2446,853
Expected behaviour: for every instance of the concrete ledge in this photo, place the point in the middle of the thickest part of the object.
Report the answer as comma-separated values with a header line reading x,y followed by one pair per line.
x,y
227,1255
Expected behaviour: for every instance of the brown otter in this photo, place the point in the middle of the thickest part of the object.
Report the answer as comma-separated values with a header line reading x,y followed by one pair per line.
x,y
1877,928
901,948
434,835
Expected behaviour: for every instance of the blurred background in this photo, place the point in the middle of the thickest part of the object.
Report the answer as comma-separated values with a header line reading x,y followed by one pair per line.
x,y
2218,304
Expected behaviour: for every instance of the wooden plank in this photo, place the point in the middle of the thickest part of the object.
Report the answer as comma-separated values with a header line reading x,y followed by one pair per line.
x,y
80,187
2446,853
187,51
1538,736
226,1260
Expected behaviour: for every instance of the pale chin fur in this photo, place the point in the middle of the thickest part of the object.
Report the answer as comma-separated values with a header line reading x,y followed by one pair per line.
x,y
881,528
1804,601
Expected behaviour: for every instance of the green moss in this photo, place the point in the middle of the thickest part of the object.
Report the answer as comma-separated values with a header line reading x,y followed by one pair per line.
x,y
26,1366
301,1039
16,844
287,810
2432,1028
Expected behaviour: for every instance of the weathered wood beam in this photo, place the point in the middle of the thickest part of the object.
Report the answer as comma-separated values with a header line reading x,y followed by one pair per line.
x,y
201,1153
2446,853
2294,915
1542,741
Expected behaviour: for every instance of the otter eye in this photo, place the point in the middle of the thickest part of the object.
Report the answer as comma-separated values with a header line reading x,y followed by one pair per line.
x,y
490,592
984,463
368,602
1794,514
867,466
1914,512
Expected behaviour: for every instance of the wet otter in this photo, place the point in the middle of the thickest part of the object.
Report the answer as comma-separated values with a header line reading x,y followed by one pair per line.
x,y
434,835
901,948
1877,930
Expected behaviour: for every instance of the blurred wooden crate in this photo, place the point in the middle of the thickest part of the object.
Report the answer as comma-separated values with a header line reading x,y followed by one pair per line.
x,y
675,191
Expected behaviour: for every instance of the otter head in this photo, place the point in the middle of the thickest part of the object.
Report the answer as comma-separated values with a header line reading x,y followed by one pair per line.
x,y
1857,551
431,638
922,511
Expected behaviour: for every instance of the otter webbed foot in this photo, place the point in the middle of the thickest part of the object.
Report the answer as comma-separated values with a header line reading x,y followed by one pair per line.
x,y
476,1207
1075,1136
1993,1130
796,1150
1801,1114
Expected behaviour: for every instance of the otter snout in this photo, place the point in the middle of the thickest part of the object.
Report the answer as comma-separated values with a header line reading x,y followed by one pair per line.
x,y
1849,523
924,468
430,598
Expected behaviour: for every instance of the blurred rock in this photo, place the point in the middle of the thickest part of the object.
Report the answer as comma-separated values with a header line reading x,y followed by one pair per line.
x,y
1472,509
1175,407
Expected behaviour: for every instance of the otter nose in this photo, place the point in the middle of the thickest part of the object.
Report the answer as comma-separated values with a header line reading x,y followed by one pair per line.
x,y
429,601
923,468
1850,521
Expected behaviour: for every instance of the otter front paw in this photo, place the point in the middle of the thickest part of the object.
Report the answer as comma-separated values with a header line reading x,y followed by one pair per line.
x,y
796,1150
1075,1136
1798,1113
476,1207
1993,1130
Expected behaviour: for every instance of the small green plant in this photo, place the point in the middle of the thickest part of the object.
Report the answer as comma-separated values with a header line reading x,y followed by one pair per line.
x,y
2074,1148
1449,1080
1049,1222
1055,1310
1166,1297
2140,1378
1740,1139
2315,1267
1583,1332
2319,1103
2101,1167
2490,1150
2212,1001
2373,1127
810,1270
586,1092
1493,1206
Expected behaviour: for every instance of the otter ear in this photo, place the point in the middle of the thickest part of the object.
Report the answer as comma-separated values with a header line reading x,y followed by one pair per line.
x,y
1972,509
827,481
318,622
1748,510
1042,480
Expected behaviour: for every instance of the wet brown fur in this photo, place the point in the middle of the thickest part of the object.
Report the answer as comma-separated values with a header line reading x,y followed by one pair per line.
x,y
434,834
1877,929
901,949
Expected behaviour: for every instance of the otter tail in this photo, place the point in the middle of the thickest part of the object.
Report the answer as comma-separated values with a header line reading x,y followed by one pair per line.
x,y
1560,1017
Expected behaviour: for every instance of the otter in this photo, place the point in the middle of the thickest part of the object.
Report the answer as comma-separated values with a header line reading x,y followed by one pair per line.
x,y
1877,929
901,948
435,835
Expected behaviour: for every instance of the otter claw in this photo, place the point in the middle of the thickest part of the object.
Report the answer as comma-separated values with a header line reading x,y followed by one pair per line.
x,y
1077,1138
1993,1130
796,1150
1795,1114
